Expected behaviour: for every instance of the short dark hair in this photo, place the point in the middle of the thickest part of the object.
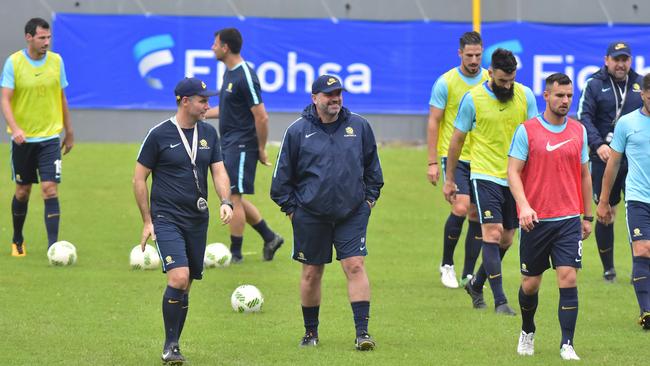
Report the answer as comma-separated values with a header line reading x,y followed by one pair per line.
x,y
503,59
472,38
559,78
232,38
646,82
32,24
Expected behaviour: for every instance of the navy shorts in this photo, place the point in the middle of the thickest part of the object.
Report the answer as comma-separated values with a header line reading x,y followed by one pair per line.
x,y
31,159
495,204
561,241
597,171
461,175
180,247
638,220
241,166
313,236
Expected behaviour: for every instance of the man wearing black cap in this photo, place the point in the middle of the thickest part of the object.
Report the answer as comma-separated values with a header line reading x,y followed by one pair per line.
x,y
179,152
327,179
610,93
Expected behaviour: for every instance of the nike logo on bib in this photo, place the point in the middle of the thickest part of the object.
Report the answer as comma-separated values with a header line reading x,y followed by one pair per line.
x,y
550,147
171,146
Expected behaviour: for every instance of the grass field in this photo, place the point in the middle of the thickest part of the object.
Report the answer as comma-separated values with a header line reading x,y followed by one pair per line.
x,y
100,312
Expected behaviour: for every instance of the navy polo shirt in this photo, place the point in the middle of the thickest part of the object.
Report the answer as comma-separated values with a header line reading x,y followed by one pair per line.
x,y
240,91
173,188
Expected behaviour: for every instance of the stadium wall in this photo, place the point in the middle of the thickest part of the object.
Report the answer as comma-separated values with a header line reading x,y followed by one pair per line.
x,y
131,126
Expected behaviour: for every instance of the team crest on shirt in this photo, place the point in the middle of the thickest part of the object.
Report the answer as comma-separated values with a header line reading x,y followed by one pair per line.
x,y
204,145
349,132
524,268
636,88
229,88
487,214
636,232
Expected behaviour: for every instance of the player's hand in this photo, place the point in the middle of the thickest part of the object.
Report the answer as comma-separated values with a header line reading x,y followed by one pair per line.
x,y
290,216
527,218
147,231
263,157
225,213
603,152
604,213
18,136
68,142
586,229
433,174
449,190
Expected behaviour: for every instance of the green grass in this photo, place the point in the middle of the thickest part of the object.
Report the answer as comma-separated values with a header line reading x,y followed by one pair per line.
x,y
100,312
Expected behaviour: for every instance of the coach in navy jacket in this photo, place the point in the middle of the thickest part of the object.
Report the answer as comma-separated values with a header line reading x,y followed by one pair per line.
x,y
327,170
597,109
611,92
327,179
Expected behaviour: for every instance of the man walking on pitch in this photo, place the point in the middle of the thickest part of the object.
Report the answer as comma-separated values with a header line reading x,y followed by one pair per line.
x,y
632,138
610,93
243,126
491,111
36,110
178,152
548,174
443,107
327,179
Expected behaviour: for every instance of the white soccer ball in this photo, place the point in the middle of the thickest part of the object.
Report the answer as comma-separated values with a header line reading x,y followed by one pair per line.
x,y
247,299
149,259
217,255
62,253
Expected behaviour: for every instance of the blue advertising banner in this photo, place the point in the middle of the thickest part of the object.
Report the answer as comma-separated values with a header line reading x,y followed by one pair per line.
x,y
134,61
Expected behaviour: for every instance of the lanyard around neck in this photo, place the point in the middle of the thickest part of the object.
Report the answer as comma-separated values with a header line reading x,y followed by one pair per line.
x,y
191,151
622,93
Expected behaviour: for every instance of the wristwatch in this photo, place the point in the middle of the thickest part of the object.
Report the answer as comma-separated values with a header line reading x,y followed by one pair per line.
x,y
588,218
227,202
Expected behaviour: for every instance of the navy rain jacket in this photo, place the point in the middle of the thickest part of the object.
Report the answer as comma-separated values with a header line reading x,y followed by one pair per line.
x,y
597,106
327,175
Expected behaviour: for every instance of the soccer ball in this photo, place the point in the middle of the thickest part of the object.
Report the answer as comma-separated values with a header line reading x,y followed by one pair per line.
x,y
148,259
247,299
217,255
62,253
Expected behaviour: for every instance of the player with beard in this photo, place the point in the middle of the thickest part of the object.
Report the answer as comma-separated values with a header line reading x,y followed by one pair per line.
x,y
491,112
443,107
548,173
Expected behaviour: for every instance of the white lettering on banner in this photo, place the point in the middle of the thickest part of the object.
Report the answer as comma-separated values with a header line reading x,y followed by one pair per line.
x,y
639,65
293,68
274,76
277,72
358,83
540,73
191,69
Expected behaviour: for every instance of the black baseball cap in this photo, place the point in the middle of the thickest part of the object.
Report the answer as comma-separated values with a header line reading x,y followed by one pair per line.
x,y
192,86
619,48
326,84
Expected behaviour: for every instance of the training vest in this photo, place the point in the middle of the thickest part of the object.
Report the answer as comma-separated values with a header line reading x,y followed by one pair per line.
x,y
456,88
552,174
36,102
496,123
